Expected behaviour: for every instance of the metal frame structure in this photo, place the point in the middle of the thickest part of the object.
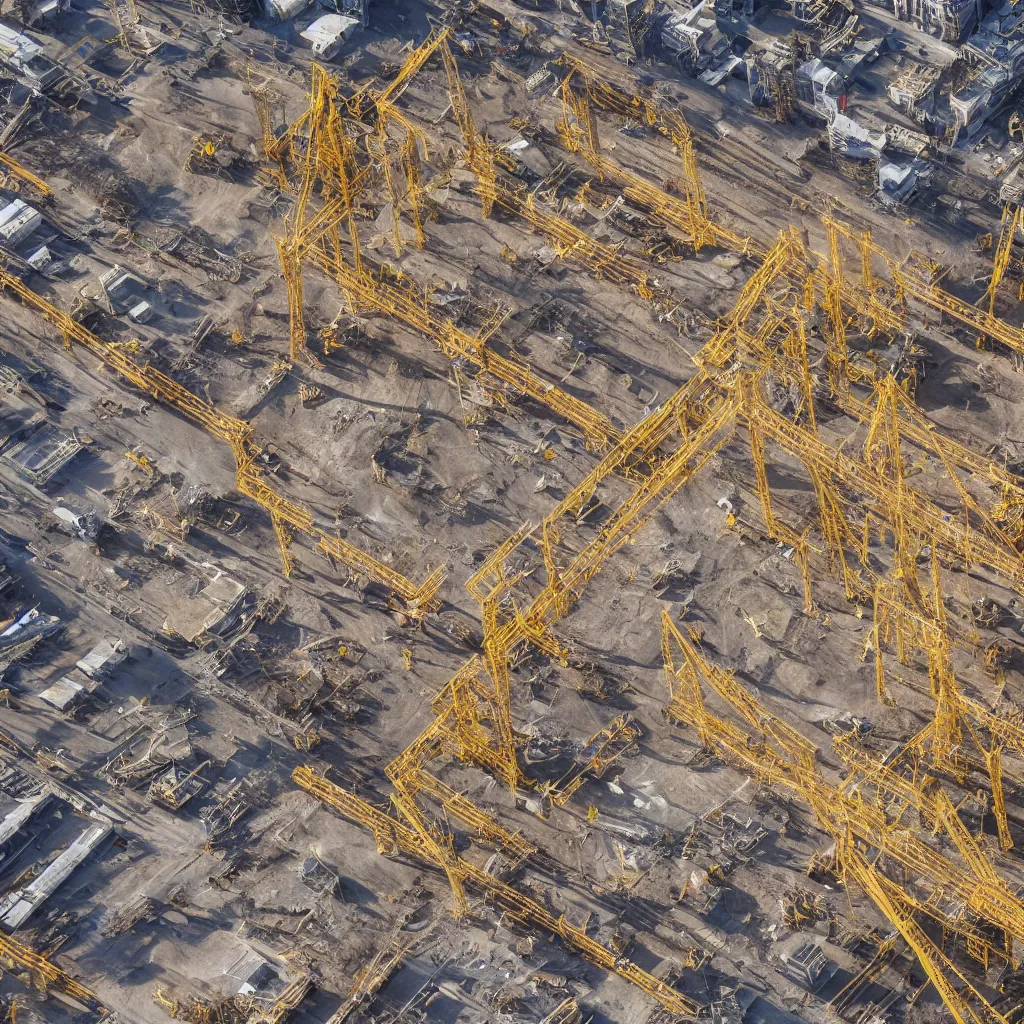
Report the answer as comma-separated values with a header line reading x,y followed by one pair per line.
x,y
286,516
393,837
914,885
45,974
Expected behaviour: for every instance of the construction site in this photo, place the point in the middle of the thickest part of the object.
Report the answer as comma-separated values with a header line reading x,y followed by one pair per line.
x,y
511,512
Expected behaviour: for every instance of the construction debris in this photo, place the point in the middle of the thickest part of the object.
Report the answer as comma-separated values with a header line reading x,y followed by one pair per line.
x,y
511,512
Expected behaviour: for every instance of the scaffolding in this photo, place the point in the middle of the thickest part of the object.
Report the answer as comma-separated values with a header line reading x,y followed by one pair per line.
x,y
913,520
285,1004
860,494
874,297
1012,221
566,1012
306,239
473,719
331,170
372,978
704,421
875,847
126,16
22,175
396,838
964,737
907,878
601,751
286,516
908,281
232,1010
583,89
398,296
44,974
877,300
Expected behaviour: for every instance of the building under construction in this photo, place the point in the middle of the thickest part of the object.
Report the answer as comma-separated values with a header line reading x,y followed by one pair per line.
x,y
511,512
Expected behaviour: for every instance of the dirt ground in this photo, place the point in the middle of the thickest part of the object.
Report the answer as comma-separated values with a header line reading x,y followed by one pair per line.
x,y
451,493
